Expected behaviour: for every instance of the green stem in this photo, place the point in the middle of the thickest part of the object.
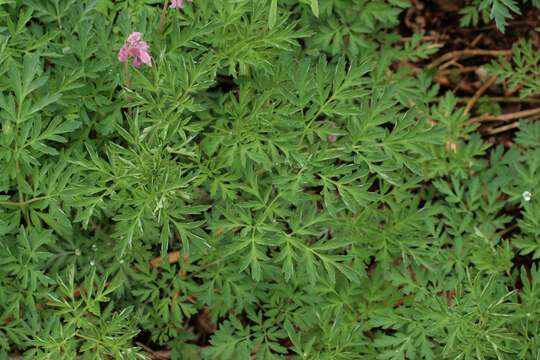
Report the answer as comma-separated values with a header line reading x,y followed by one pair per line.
x,y
314,118
22,203
158,125
128,85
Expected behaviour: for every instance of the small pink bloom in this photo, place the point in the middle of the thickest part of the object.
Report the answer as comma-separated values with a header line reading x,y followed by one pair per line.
x,y
332,137
122,54
134,37
137,49
178,3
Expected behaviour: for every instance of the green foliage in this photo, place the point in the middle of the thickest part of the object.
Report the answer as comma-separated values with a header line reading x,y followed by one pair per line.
x,y
523,72
272,179
71,329
486,10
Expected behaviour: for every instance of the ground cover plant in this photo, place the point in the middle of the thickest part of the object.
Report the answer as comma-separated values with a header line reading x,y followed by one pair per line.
x,y
263,179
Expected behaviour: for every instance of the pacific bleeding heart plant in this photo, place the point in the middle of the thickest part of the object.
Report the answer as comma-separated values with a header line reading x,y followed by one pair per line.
x,y
136,49
178,3
287,186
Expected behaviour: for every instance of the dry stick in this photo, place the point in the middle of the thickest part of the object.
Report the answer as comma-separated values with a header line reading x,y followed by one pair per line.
x,y
163,12
479,93
427,38
77,291
504,128
157,355
461,70
507,230
514,90
476,40
448,64
505,117
173,258
465,86
502,99
466,54
444,81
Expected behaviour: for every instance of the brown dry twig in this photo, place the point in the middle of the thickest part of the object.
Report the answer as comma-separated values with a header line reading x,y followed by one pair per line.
x,y
505,117
464,85
501,99
443,80
508,92
77,291
507,230
467,53
450,63
437,37
477,40
152,354
462,70
173,258
504,128
479,93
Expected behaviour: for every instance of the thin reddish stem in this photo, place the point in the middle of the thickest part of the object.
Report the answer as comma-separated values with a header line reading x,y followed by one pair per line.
x,y
163,12
128,85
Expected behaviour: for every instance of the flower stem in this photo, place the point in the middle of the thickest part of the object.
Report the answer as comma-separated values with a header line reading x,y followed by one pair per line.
x,y
128,85
163,12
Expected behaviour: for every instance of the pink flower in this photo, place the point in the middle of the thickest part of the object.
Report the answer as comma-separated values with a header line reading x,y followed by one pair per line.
x,y
137,49
178,3
134,37
332,137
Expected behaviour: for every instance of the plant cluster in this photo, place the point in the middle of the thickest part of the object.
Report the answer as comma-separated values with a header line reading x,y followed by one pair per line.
x,y
253,179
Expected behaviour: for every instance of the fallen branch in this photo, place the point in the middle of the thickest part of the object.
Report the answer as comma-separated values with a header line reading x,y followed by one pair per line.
x,y
152,354
459,70
501,99
507,230
467,53
173,258
476,40
505,117
479,93
427,38
443,80
504,128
